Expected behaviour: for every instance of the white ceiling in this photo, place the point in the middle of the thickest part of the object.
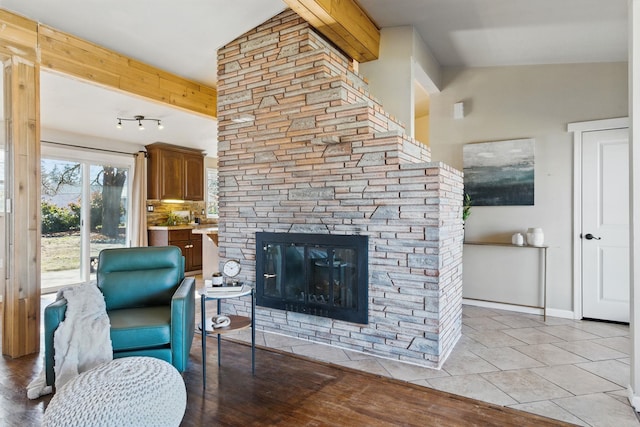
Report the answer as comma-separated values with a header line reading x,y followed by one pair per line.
x,y
182,37
485,33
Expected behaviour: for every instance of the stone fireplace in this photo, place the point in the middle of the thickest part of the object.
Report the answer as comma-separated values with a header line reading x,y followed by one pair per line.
x,y
304,148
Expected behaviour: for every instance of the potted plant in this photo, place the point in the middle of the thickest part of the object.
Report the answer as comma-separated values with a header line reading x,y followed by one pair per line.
x,y
466,208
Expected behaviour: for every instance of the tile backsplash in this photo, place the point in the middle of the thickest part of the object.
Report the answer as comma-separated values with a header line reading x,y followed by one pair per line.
x,y
161,211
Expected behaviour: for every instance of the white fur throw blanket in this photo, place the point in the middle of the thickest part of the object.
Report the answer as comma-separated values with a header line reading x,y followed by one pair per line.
x,y
82,340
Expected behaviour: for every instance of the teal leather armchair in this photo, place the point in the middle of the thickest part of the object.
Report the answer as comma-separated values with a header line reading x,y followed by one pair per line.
x,y
150,304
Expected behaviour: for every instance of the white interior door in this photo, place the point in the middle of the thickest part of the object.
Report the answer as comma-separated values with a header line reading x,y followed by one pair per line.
x,y
605,225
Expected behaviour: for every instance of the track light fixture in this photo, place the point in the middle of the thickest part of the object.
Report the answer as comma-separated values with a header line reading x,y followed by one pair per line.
x,y
138,119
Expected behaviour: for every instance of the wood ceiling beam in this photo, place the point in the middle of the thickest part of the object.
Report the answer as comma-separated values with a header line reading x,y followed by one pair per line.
x,y
76,57
18,37
343,22
55,50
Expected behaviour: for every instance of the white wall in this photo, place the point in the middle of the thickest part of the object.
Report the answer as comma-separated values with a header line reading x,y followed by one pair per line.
x,y
391,76
528,102
426,68
404,59
634,103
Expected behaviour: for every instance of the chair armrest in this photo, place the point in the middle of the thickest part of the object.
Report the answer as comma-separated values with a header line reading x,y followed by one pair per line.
x,y
183,318
54,314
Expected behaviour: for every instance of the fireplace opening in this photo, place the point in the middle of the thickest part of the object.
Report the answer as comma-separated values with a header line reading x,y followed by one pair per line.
x,y
318,274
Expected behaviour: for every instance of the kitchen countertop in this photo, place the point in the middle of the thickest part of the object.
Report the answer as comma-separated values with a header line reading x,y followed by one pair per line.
x,y
205,230
196,229
171,227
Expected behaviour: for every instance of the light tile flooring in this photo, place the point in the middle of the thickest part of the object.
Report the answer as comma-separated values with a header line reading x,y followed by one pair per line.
x,y
575,371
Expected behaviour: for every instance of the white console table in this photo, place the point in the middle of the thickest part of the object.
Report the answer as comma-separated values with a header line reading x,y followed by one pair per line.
x,y
544,273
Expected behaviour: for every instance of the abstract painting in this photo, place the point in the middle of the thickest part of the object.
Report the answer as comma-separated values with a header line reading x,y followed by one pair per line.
x,y
499,173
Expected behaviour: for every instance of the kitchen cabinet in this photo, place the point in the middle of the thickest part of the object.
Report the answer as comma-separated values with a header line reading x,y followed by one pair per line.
x,y
193,177
190,244
196,252
174,172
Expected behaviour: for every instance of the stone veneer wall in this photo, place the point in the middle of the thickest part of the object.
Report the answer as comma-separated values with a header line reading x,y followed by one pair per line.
x,y
320,155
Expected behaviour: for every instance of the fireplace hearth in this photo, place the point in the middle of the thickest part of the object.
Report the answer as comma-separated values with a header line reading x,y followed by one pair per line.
x,y
317,274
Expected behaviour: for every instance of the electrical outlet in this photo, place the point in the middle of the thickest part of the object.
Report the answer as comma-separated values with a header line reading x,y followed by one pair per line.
x,y
150,208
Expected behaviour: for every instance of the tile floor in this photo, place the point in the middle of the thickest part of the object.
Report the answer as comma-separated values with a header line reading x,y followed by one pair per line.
x,y
575,371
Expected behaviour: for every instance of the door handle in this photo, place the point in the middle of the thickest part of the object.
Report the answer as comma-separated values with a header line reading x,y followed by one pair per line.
x,y
269,276
590,236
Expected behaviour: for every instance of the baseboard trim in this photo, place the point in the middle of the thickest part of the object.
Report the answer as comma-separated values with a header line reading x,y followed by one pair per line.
x,y
565,314
633,399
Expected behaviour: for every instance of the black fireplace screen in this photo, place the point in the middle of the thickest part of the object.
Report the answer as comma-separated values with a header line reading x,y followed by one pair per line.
x,y
318,274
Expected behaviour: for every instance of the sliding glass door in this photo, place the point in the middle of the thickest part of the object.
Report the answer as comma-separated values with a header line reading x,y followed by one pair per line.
x,y
61,210
85,206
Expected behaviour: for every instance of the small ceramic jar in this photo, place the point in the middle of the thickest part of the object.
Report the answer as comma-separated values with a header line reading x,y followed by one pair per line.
x,y
517,239
535,237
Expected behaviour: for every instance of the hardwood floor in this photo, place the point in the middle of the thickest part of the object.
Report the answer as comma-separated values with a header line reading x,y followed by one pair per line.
x,y
286,390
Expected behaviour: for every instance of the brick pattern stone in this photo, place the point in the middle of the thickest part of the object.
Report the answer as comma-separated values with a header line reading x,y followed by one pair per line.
x,y
322,156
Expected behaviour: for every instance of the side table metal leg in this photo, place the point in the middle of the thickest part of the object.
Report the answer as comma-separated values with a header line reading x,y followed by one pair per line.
x,y
218,350
544,316
219,313
204,341
253,332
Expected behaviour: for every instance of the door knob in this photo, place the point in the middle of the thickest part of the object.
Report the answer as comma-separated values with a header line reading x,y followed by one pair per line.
x,y
590,236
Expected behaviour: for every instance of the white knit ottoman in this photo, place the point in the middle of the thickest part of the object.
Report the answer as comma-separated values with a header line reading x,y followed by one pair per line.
x,y
132,391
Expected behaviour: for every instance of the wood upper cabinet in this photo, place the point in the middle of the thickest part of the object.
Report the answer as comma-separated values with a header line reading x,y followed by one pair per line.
x,y
194,177
169,179
174,173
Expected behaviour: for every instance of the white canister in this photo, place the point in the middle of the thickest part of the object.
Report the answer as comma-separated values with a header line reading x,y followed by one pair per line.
x,y
535,237
517,239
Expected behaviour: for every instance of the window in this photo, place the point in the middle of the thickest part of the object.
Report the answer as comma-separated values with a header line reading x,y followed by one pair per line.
x,y
212,193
